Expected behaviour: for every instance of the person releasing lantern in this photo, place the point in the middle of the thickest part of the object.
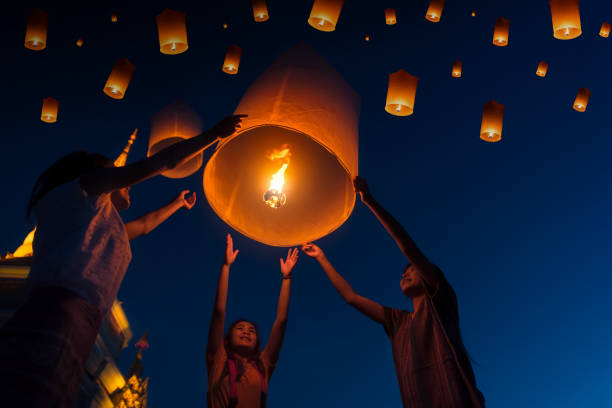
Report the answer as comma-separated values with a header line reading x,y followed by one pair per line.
x,y
324,14
542,69
457,69
119,79
232,59
434,11
260,10
49,110
492,121
565,19
502,32
274,197
390,17
401,93
582,99
172,32
605,30
36,30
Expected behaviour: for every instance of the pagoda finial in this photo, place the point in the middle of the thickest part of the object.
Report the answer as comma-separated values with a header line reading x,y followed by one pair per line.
x,y
137,367
143,343
120,162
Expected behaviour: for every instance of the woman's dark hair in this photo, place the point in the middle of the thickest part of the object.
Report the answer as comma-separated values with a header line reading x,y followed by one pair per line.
x,y
252,357
68,168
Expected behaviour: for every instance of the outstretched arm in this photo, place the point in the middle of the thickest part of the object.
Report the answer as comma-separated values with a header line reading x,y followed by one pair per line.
x,y
277,334
217,321
148,222
366,306
399,234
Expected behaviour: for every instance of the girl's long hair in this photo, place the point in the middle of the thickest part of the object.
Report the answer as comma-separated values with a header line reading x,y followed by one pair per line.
x,y
68,168
252,357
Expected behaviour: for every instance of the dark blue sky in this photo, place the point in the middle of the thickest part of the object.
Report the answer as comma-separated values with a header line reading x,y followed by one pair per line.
x,y
521,227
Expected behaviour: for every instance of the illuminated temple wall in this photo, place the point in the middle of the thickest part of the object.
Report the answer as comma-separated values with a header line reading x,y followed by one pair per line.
x,y
102,377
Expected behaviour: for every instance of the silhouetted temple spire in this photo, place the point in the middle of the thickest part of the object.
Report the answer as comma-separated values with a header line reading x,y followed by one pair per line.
x,y
122,159
137,367
135,391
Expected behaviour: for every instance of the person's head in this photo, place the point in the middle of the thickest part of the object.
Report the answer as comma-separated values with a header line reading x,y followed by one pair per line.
x,y
411,283
242,338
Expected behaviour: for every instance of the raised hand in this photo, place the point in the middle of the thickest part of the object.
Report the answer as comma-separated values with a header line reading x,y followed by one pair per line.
x,y
288,264
312,251
186,201
230,254
361,187
228,125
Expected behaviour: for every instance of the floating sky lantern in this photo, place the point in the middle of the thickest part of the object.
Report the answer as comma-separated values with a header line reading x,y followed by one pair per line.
x,y
501,32
172,32
582,99
49,110
260,10
113,18
367,38
605,30
401,93
119,79
434,11
473,13
224,25
492,121
457,69
174,123
302,104
79,42
324,14
232,60
36,30
565,19
542,69
390,17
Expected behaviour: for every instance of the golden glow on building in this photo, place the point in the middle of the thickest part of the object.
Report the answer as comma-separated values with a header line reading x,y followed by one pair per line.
x,y
111,378
25,249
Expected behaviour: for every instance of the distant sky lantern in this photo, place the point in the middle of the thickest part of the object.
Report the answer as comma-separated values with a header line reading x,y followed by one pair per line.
x,y
474,13
605,30
434,11
542,69
501,33
232,59
492,121
36,30
49,110
79,42
174,123
390,17
367,38
260,10
224,25
119,79
582,99
324,14
401,93
303,117
565,19
172,32
457,69
113,18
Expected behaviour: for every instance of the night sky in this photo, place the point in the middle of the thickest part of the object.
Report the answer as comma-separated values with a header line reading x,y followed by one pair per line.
x,y
521,228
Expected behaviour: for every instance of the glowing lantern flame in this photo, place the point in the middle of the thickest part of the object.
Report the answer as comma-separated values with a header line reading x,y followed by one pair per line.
x,y
274,196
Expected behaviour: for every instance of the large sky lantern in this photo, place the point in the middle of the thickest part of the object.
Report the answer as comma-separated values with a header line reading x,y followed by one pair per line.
x,y
565,19
174,123
285,177
501,33
172,32
434,11
582,99
36,30
324,14
401,93
390,16
260,10
49,110
119,78
232,59
457,69
542,69
113,18
492,121
605,30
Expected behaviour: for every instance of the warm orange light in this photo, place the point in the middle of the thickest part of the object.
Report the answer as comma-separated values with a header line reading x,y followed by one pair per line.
x,y
224,25
492,121
582,99
113,18
434,11
36,30
502,32
324,14
401,93
565,19
174,123
119,79
274,197
172,32
23,251
457,69
367,38
260,10
79,42
49,110
232,59
474,13
542,69
390,17
605,30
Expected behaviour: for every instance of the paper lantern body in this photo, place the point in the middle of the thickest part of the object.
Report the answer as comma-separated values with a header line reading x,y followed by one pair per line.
x,y
49,110
367,38
605,30
232,59
390,17
501,33
457,69
492,122
474,13
174,123
36,30
79,42
542,69
565,19
113,18
434,11
119,79
260,10
172,32
401,93
302,102
324,14
582,99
